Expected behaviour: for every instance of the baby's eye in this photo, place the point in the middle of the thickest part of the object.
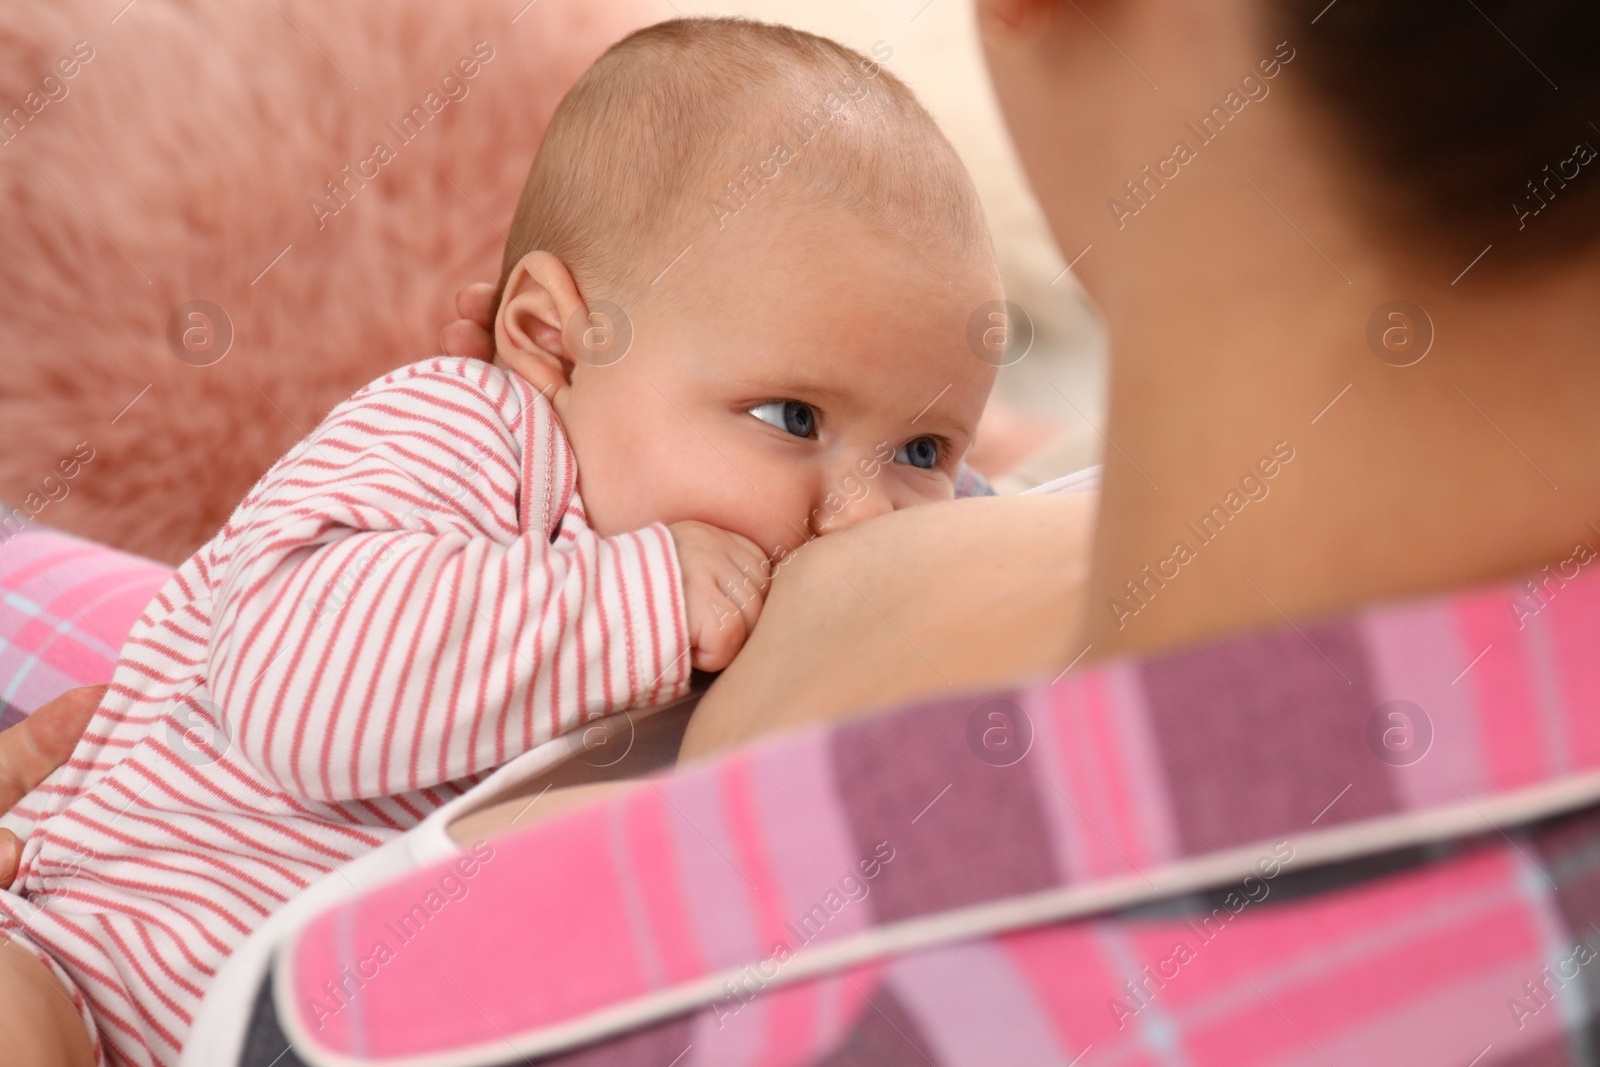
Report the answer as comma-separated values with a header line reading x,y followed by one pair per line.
x,y
920,452
790,416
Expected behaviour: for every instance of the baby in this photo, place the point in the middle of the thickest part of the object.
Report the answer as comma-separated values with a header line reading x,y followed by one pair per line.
x,y
734,316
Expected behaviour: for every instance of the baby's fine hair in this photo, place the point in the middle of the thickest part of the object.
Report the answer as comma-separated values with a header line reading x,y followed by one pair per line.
x,y
683,126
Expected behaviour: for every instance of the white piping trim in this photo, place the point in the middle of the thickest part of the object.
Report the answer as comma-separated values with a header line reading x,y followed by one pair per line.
x,y
1315,848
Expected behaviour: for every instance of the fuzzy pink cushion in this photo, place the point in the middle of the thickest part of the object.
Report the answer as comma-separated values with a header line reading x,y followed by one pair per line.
x,y
181,161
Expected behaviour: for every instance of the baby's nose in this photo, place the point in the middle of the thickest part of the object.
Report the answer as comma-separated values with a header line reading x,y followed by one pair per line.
x,y
840,510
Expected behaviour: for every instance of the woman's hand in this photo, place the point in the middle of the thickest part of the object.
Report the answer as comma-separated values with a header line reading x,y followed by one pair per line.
x,y
924,602
472,335
33,748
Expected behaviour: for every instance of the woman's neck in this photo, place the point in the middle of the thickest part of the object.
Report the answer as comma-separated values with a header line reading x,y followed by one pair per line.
x,y
1247,340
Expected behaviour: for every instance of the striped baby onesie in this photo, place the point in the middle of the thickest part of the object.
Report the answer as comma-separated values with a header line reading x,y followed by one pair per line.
x,y
409,598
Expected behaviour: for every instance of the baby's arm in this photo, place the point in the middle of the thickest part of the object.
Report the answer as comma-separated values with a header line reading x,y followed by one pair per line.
x,y
382,624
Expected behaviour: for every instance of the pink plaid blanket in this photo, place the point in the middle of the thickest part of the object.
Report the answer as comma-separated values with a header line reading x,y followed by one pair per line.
x,y
65,607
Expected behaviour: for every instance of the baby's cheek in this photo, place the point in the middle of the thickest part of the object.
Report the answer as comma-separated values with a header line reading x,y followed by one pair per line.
x,y
916,488
778,522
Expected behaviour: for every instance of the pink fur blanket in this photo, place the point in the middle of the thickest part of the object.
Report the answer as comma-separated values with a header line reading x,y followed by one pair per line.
x,y
219,219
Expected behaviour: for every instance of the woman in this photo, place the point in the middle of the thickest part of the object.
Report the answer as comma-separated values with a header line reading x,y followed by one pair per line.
x,y
1251,187
1349,243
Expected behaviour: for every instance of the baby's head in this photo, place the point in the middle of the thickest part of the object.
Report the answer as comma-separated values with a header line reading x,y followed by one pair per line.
x,y
742,271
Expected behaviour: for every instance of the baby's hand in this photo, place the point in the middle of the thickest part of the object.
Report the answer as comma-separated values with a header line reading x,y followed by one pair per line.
x,y
725,579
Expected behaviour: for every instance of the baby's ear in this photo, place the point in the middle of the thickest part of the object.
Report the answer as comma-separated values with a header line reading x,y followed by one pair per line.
x,y
530,328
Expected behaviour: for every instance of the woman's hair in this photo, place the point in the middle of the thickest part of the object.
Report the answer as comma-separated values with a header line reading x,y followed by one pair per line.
x,y
1474,121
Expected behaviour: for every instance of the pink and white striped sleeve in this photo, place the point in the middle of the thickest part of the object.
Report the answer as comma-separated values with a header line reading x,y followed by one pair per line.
x,y
393,611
